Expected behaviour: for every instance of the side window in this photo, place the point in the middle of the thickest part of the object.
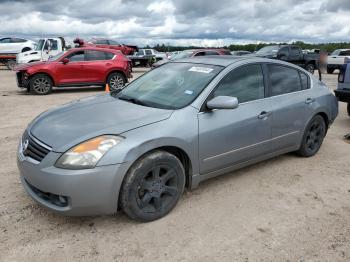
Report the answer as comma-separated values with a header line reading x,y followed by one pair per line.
x,y
148,52
283,80
246,83
108,55
112,42
54,45
5,40
76,57
101,42
284,51
200,54
305,82
95,55
211,53
344,53
294,51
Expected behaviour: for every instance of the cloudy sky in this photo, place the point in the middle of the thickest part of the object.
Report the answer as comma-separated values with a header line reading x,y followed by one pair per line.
x,y
180,22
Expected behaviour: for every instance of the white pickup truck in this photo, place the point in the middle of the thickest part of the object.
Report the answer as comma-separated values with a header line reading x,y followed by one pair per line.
x,y
45,49
337,59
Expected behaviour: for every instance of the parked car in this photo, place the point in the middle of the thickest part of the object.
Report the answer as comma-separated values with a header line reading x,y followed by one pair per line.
x,y
343,90
337,59
77,67
108,43
152,52
193,53
10,47
175,126
46,48
14,45
240,53
292,54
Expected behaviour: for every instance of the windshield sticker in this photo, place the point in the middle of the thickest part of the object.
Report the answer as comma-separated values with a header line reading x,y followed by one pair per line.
x,y
188,92
198,69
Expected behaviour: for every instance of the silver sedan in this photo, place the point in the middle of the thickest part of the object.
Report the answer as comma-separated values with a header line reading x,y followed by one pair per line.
x,y
177,125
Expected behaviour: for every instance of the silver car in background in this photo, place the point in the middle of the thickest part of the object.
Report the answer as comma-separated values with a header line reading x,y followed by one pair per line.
x,y
175,126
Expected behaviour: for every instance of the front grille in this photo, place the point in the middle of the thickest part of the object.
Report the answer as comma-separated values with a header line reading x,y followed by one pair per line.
x,y
33,148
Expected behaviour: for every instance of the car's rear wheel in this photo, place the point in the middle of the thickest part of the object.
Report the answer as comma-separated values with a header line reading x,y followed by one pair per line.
x,y
152,186
348,109
313,137
310,68
116,81
40,84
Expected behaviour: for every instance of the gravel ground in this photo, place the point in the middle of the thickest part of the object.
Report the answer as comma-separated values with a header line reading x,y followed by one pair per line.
x,y
284,209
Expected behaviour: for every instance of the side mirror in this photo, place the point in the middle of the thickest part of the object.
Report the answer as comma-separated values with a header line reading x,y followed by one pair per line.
x,y
223,102
65,60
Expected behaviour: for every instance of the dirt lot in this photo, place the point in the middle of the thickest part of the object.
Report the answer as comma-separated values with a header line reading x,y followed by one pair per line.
x,y
284,209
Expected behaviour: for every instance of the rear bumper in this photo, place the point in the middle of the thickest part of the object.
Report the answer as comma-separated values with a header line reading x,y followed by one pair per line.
x,y
343,95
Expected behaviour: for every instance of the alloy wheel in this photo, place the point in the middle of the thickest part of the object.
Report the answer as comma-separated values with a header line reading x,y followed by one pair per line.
x,y
116,82
41,85
314,136
157,189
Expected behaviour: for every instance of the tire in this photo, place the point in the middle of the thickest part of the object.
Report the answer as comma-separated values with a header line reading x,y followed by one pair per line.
x,y
348,109
116,81
40,84
313,137
330,71
310,68
152,186
11,64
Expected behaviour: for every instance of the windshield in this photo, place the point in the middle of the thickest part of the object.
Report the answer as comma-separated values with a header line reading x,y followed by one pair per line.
x,y
40,45
267,50
56,57
183,54
171,86
336,52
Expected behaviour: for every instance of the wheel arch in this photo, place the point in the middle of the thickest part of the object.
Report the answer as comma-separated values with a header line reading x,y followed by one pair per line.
x,y
116,71
42,73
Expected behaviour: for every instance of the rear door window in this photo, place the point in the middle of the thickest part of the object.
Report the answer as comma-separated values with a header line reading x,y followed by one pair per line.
x,y
283,80
211,53
345,53
92,55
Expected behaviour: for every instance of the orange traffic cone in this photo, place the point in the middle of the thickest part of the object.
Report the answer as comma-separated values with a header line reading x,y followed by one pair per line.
x,y
107,89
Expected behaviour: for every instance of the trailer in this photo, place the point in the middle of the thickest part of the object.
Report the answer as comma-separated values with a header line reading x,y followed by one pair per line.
x,y
9,60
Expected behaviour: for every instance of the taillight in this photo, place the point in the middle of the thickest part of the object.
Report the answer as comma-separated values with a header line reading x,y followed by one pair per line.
x,y
342,74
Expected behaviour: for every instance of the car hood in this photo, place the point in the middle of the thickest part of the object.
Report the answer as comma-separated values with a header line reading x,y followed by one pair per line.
x,y
68,125
29,65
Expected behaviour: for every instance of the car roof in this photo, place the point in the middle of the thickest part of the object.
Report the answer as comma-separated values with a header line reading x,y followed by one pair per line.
x,y
220,60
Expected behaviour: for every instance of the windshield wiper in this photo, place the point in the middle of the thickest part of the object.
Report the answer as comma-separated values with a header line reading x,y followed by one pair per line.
x,y
132,100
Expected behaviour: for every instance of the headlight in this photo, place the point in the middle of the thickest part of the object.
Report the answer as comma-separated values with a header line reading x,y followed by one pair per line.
x,y
87,154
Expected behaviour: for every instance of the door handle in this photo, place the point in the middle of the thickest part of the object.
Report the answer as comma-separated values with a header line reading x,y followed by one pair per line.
x,y
264,115
309,100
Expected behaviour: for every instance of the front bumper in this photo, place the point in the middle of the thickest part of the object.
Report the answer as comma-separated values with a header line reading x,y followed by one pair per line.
x,y
72,192
343,95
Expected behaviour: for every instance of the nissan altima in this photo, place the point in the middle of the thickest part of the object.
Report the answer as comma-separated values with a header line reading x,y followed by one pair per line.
x,y
175,126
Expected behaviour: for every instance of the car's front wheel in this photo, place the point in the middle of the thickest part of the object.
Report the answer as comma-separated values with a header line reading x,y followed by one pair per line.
x,y
116,81
152,186
313,137
40,84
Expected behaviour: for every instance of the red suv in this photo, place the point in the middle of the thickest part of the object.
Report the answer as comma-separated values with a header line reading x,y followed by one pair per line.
x,y
107,43
77,67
